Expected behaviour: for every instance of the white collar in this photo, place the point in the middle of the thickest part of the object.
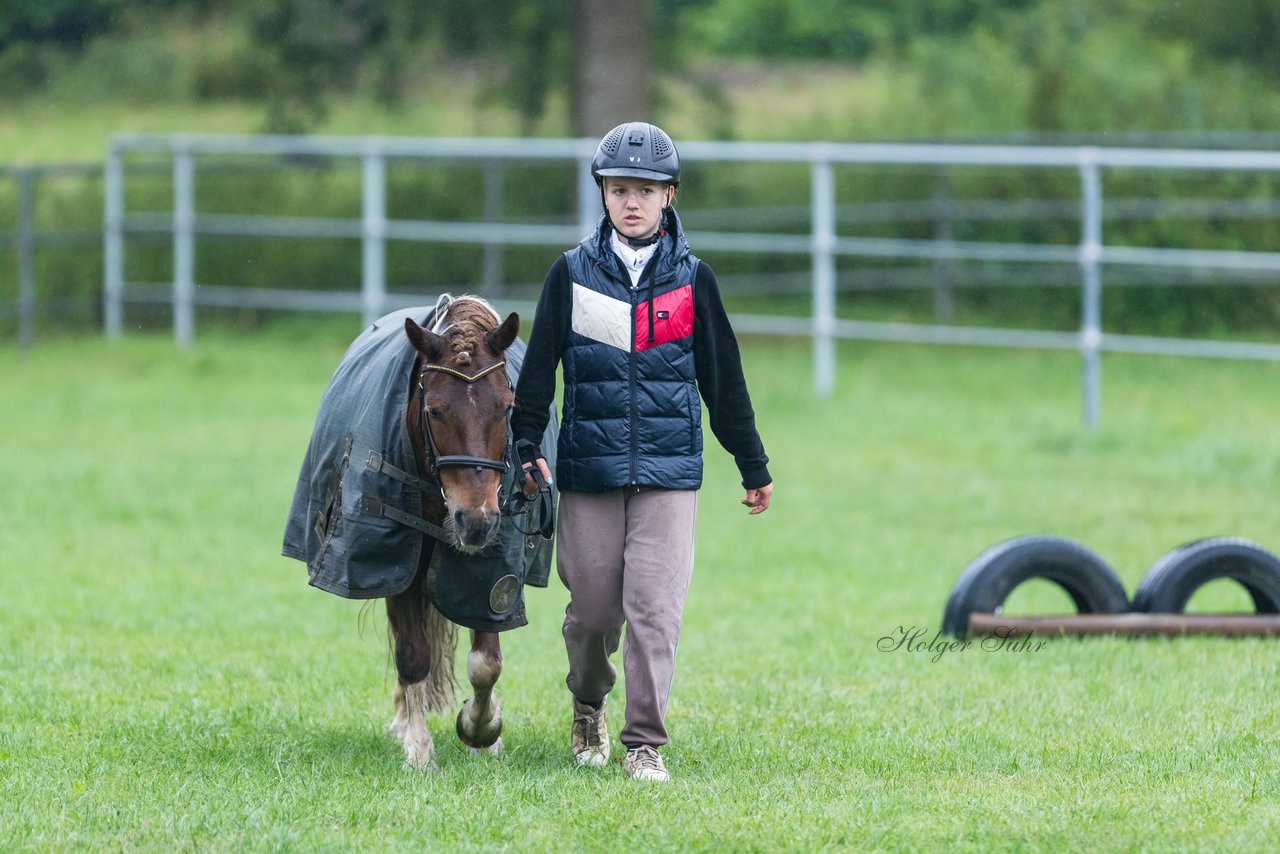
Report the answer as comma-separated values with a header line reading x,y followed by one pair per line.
x,y
633,259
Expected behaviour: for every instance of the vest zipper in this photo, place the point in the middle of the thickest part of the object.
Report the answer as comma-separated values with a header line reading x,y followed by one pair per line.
x,y
631,392
634,291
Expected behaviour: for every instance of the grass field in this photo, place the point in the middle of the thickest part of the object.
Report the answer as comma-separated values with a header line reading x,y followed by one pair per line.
x,y
167,681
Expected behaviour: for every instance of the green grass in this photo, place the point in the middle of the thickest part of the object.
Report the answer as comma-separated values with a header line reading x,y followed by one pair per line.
x,y
167,681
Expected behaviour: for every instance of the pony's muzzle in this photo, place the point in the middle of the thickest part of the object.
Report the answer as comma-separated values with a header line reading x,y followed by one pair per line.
x,y
475,529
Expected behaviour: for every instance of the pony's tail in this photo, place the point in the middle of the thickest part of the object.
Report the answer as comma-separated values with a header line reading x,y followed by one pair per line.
x,y
442,641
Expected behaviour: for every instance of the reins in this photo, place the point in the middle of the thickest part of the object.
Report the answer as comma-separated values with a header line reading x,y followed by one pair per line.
x,y
518,503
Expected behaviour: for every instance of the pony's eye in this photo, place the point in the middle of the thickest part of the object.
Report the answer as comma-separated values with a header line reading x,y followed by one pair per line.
x,y
434,413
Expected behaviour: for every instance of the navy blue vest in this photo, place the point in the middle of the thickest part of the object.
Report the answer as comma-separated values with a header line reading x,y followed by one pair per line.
x,y
631,409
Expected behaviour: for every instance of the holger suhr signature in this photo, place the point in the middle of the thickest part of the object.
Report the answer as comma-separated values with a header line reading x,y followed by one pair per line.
x,y
913,639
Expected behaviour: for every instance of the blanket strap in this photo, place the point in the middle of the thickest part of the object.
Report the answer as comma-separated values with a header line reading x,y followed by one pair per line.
x,y
379,463
374,507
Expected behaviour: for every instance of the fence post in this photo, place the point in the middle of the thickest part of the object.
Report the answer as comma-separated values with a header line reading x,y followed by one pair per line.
x,y
373,267
823,219
26,257
943,268
1091,286
491,274
113,244
184,244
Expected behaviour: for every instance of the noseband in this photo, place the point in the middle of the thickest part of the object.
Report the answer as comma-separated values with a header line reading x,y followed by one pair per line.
x,y
438,460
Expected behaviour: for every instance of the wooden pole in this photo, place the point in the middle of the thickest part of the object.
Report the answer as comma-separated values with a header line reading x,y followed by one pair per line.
x,y
1166,625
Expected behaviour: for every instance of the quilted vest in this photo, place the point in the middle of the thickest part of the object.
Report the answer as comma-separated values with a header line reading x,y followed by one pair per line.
x,y
631,412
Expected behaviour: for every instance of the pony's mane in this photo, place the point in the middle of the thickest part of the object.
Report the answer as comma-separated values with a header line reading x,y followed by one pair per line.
x,y
466,319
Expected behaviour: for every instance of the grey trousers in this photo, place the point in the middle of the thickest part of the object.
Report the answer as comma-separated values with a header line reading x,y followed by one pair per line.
x,y
626,557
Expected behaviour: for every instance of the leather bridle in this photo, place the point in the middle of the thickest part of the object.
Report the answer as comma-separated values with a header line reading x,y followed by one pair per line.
x,y
517,503
437,460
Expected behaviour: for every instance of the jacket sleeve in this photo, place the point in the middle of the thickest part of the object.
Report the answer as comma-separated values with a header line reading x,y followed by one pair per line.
x,y
722,384
536,387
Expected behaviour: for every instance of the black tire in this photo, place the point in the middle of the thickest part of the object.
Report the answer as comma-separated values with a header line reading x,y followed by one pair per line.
x,y
987,581
1173,579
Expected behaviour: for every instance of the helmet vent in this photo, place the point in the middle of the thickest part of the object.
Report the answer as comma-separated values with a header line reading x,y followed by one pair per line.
x,y
612,142
661,146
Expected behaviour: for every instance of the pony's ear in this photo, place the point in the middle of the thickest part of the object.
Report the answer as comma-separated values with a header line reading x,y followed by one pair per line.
x,y
500,339
423,340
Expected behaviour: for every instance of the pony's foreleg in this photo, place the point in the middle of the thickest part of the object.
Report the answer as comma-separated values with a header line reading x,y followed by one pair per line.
x,y
480,720
405,619
399,723
411,715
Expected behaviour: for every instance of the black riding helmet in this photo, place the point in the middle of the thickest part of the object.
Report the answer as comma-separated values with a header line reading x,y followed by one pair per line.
x,y
637,150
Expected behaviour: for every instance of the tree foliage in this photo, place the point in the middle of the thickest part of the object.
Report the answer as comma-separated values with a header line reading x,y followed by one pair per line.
x,y
1243,31
320,46
295,54
830,29
28,25
317,47
523,43
63,22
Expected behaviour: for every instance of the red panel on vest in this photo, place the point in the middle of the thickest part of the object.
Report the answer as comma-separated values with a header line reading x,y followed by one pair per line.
x,y
672,318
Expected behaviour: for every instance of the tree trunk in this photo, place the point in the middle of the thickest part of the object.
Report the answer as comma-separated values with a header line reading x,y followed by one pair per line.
x,y
610,53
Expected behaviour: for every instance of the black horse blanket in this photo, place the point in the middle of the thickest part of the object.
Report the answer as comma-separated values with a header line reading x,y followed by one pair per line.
x,y
359,555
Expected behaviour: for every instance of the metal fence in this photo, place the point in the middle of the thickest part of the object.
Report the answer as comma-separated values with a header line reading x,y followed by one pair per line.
x,y
25,238
822,244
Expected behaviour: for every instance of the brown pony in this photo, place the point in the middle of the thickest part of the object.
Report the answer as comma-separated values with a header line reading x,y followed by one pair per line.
x,y
457,421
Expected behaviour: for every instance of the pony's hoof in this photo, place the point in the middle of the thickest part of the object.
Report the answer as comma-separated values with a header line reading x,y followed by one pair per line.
x,y
423,760
478,735
419,751
494,749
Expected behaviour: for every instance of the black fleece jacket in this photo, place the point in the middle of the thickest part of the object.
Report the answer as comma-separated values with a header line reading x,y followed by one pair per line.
x,y
718,361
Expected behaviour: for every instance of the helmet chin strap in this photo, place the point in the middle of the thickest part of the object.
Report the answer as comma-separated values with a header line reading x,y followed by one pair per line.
x,y
641,242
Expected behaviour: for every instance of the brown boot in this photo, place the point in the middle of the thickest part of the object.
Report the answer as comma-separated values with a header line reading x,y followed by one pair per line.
x,y
590,735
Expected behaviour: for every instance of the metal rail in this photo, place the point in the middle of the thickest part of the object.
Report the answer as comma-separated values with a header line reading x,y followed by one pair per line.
x,y
822,243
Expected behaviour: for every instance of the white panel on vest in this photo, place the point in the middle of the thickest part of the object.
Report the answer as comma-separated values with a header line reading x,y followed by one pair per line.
x,y
601,318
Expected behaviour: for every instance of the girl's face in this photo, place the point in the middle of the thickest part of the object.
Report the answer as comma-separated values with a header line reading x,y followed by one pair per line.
x,y
635,205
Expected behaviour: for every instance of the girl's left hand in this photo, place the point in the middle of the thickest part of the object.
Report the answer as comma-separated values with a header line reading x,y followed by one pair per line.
x,y
758,499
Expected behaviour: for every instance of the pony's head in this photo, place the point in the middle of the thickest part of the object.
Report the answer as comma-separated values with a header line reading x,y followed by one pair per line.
x,y
461,407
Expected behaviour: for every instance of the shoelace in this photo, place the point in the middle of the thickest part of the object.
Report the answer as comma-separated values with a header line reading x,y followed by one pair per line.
x,y
647,759
590,729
